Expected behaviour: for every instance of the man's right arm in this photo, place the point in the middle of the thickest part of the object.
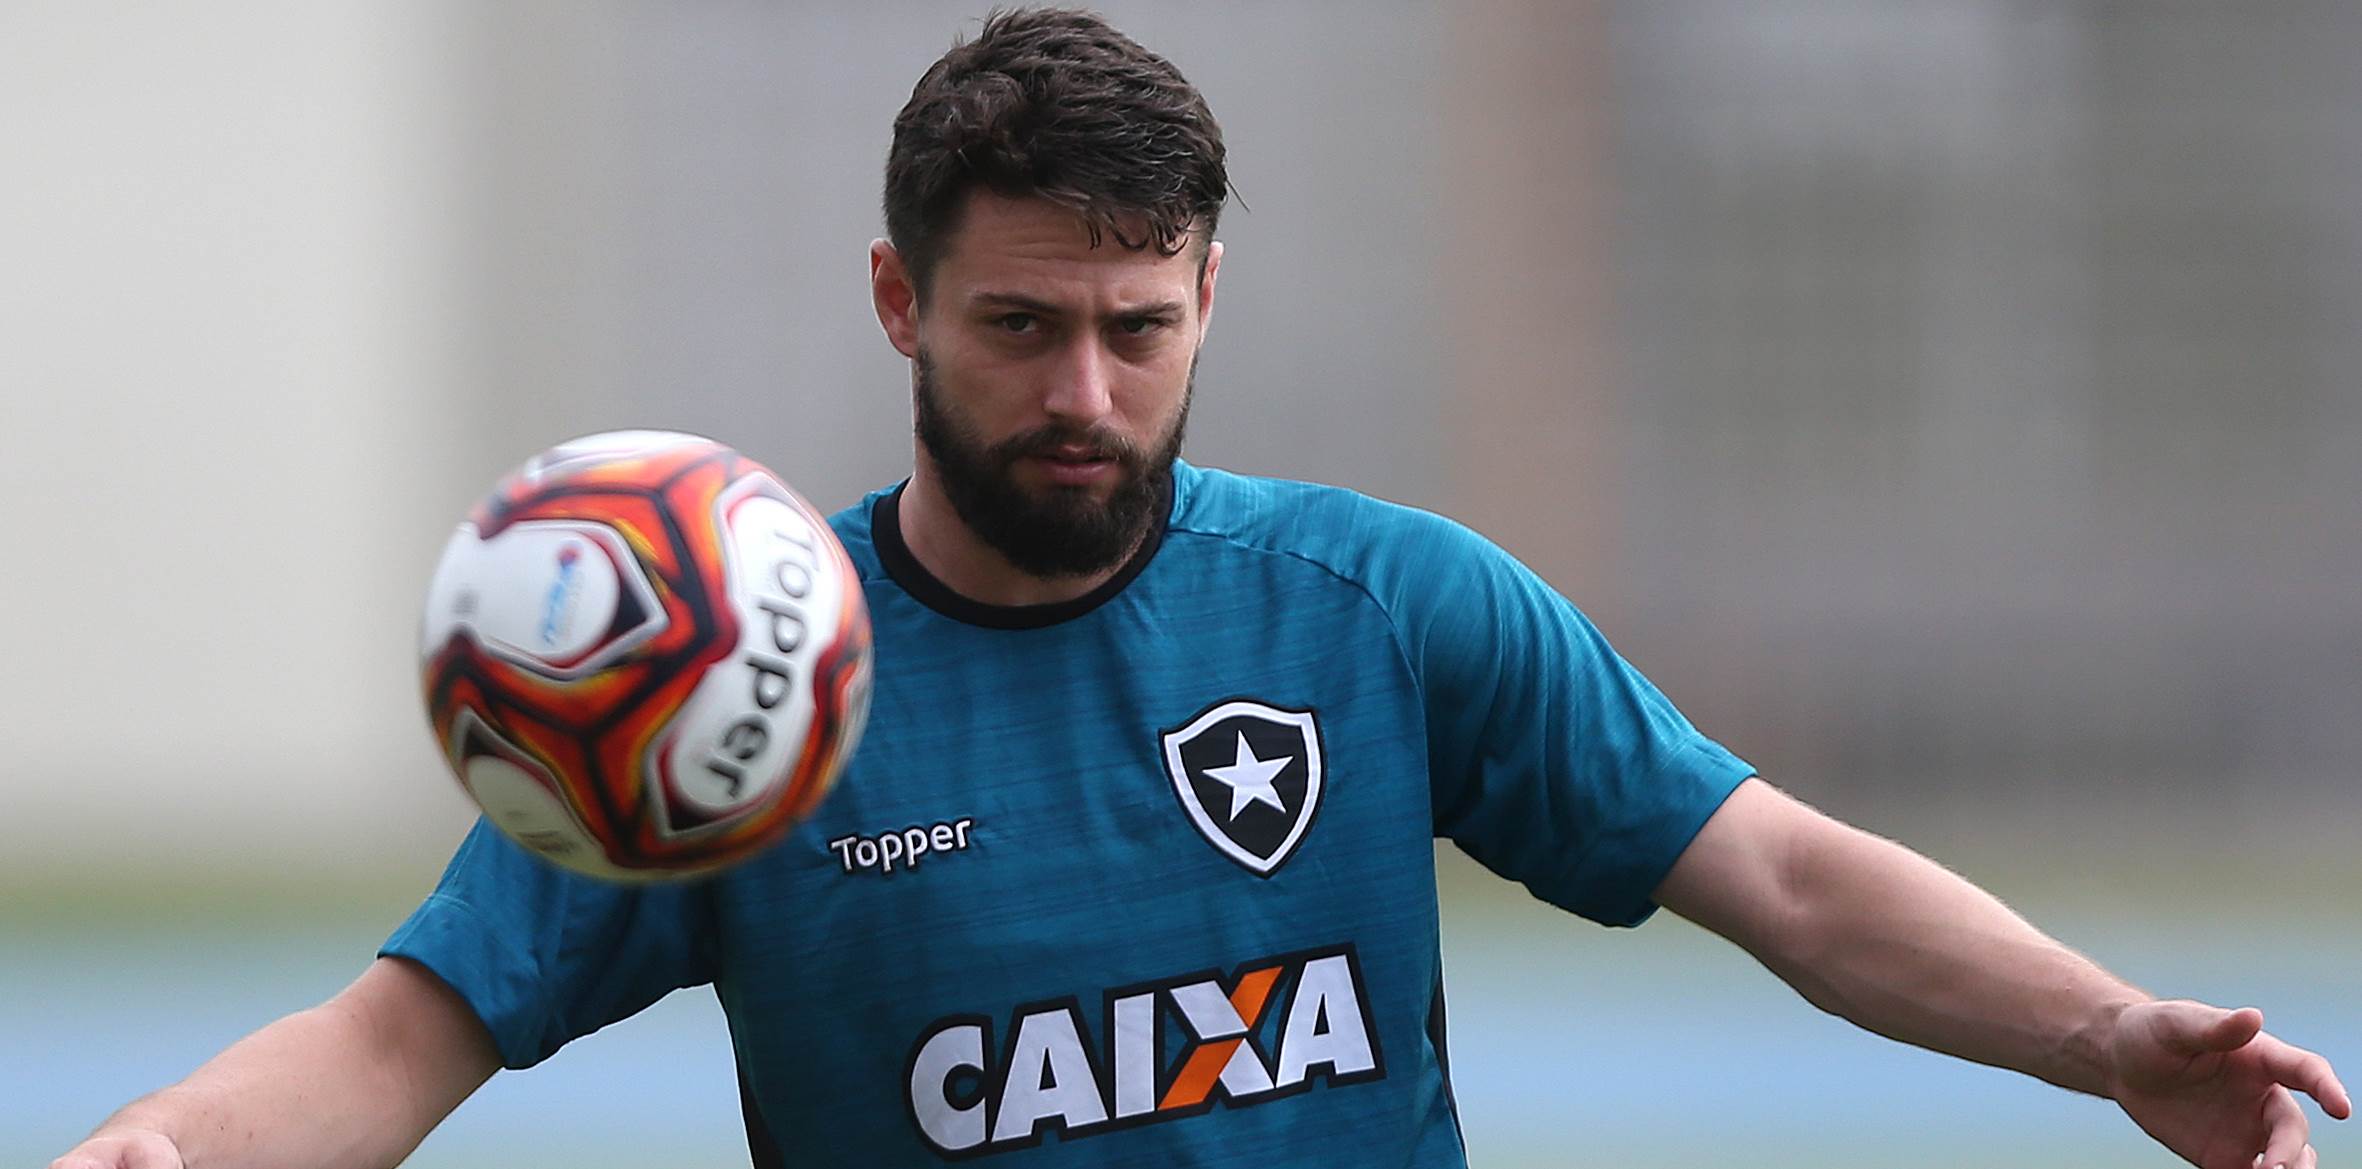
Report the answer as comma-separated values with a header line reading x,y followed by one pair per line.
x,y
358,1080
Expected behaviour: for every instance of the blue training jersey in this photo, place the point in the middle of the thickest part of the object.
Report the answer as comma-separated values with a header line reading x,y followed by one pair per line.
x,y
1141,879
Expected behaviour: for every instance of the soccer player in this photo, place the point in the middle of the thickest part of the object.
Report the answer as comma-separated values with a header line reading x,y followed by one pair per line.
x,y
1133,865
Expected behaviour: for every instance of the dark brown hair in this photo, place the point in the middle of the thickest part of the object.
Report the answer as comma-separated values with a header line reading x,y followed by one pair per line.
x,y
1055,104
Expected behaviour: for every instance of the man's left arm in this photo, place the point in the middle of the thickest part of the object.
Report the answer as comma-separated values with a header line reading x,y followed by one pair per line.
x,y
1869,930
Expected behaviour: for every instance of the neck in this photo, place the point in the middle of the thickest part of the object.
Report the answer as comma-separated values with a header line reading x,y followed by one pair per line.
x,y
950,551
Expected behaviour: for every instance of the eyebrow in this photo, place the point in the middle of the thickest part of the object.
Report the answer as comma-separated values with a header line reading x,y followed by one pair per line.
x,y
1039,307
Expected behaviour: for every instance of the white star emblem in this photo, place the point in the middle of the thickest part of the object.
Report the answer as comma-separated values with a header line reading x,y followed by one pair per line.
x,y
1249,778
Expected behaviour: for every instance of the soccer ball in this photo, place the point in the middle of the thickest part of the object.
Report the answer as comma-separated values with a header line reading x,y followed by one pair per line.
x,y
644,656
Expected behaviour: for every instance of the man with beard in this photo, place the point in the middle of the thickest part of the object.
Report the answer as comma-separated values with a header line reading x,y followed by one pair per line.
x,y
1133,866
1065,531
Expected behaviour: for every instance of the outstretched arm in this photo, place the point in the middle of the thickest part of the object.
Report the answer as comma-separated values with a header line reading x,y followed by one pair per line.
x,y
358,1080
1875,933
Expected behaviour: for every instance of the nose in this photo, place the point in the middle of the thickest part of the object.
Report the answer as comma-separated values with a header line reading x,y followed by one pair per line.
x,y
1081,392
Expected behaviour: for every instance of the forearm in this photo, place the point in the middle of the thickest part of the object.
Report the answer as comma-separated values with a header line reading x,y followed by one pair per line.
x,y
295,1093
1878,934
1888,939
330,1086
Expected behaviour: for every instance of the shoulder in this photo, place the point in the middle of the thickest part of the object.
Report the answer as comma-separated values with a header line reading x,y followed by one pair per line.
x,y
853,528
1387,549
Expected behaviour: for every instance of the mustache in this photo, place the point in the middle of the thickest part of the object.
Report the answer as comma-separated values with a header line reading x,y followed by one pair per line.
x,y
1054,440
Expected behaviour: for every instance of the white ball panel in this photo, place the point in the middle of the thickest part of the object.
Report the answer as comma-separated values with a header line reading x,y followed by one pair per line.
x,y
534,817
542,593
601,447
737,738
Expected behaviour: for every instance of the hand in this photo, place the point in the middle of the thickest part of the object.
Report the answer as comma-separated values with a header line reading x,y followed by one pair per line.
x,y
134,1148
2211,1086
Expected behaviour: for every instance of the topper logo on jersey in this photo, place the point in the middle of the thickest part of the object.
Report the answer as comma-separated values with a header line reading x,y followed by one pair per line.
x,y
1248,775
1165,1050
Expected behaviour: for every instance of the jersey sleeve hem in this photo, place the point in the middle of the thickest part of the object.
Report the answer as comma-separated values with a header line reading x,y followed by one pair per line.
x,y
456,944
1626,869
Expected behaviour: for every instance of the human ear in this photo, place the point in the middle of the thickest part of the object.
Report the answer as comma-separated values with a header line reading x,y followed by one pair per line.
x,y
894,297
1205,286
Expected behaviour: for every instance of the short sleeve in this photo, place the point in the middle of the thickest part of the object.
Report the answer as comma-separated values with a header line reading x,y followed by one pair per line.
x,y
545,956
1553,761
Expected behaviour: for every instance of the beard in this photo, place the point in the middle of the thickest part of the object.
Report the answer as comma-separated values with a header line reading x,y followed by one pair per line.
x,y
1060,531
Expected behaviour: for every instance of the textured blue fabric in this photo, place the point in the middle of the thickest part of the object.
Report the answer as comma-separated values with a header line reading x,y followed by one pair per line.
x,y
1078,970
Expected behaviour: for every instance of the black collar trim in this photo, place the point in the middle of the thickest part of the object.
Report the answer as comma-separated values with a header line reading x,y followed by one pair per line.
x,y
885,524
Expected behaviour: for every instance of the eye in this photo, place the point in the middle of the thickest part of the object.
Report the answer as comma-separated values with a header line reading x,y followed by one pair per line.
x,y
1139,326
1018,323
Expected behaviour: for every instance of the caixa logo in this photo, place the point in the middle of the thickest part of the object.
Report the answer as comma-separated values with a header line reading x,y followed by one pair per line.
x,y
1164,1050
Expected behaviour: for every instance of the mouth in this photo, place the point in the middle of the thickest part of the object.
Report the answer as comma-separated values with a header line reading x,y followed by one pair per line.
x,y
1073,466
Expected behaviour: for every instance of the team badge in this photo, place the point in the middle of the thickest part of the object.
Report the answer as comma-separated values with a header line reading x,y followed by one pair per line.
x,y
1249,776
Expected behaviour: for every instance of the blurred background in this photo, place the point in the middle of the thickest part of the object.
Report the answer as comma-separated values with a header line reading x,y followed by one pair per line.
x,y
1952,406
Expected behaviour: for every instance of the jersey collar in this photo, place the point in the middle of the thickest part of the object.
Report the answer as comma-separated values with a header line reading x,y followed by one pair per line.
x,y
885,523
